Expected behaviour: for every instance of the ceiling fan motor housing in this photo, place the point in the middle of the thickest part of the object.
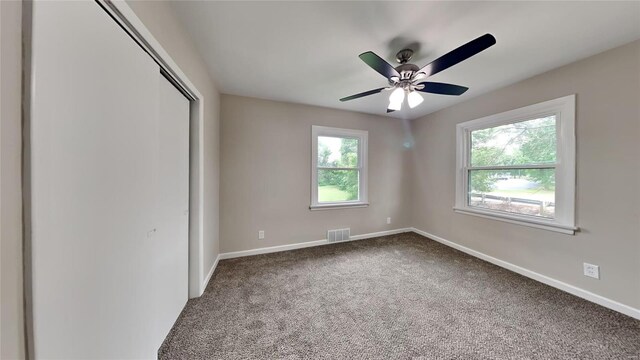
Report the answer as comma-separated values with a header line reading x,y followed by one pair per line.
x,y
406,71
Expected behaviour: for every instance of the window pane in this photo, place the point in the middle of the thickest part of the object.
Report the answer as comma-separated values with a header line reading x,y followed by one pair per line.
x,y
337,152
528,191
337,185
526,142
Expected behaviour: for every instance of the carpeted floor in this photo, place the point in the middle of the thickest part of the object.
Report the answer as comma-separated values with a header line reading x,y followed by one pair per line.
x,y
393,297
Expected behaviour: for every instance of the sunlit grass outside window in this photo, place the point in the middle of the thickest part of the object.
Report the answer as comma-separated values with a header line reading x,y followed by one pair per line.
x,y
338,171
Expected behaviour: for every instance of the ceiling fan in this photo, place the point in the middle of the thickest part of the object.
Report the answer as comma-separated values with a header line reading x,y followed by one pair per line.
x,y
406,79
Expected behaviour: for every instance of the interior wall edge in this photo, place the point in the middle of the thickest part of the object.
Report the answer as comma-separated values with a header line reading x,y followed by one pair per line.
x,y
205,283
12,332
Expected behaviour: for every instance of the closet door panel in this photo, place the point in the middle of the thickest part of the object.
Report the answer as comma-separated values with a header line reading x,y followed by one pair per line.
x,y
172,243
93,164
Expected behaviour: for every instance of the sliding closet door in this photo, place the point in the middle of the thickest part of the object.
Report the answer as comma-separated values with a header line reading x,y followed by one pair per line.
x,y
171,264
93,145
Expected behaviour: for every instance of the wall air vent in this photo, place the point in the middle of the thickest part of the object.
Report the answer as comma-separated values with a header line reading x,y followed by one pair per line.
x,y
338,235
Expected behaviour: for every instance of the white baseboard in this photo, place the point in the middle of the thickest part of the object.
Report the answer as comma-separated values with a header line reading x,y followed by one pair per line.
x,y
204,284
587,295
272,249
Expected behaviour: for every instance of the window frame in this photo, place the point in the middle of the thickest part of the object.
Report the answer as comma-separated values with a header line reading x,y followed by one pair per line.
x,y
565,176
362,136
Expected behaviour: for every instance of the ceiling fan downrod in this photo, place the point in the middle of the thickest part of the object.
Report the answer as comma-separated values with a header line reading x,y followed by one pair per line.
x,y
403,56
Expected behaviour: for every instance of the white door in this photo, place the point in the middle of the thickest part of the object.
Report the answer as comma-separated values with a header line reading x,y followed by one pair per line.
x,y
108,166
172,242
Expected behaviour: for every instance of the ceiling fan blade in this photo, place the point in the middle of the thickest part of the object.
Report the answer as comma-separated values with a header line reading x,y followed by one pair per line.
x,y
460,54
442,88
362,94
378,64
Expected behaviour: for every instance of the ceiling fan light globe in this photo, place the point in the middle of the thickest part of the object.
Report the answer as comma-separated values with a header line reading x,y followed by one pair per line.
x,y
397,105
414,99
397,96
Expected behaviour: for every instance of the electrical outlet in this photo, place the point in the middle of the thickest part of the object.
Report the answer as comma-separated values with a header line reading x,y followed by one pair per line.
x,y
260,234
591,270
388,220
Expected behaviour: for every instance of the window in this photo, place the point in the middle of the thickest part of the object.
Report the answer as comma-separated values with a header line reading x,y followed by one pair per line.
x,y
519,166
339,168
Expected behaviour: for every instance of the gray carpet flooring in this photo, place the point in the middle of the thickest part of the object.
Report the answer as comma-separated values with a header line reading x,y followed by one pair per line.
x,y
393,297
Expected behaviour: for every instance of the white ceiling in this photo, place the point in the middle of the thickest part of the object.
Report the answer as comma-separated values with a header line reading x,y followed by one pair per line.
x,y
307,52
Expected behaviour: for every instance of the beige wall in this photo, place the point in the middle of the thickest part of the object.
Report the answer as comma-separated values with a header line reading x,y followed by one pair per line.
x,y
11,316
608,175
266,174
158,17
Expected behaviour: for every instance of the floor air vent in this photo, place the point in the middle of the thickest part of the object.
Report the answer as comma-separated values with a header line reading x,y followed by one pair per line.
x,y
338,235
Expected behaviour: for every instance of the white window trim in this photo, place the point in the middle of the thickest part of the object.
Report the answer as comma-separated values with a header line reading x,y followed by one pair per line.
x,y
362,135
564,109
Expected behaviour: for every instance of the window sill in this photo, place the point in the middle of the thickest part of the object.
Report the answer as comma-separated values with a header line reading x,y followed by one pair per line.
x,y
514,219
338,206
